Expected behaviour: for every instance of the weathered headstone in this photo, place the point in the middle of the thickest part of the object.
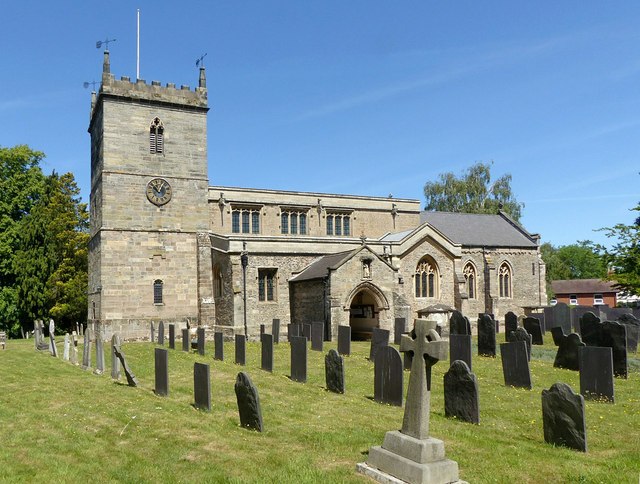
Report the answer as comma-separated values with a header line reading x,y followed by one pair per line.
x,y
399,328
115,362
99,350
540,317
461,393
563,417
161,333
387,387
86,350
590,329
334,372
218,345
202,386
186,343
510,324
73,357
299,359
52,339
306,331
275,331
200,333
162,372
379,339
515,364
172,336
567,355
486,335
560,316
612,314
67,346
460,348
153,333
410,454
294,329
577,312
344,340
532,326
248,402
558,334
240,349
521,334
458,324
267,352
596,373
131,379
317,336
614,335
633,331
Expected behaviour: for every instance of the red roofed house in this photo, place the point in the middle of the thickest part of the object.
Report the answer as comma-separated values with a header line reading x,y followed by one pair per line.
x,y
584,292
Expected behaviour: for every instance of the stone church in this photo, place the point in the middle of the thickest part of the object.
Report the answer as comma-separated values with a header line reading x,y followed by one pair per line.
x,y
167,246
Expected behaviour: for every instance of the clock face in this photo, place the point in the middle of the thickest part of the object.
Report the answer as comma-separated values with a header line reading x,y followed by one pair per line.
x,y
159,191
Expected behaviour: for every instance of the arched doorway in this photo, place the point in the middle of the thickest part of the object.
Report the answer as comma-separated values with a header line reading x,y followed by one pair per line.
x,y
363,315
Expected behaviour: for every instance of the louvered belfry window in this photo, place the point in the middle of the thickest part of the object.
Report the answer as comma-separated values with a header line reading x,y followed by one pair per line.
x,y
156,137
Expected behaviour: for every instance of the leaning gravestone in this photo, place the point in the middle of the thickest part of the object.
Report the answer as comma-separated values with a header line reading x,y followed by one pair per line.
x,y
614,335
267,352
515,365
86,350
379,338
532,326
299,359
202,386
162,372
458,324
115,362
567,355
461,393
99,350
460,348
240,349
248,402
520,334
275,331
510,324
218,346
334,371
52,339
131,379
410,454
596,373
161,333
558,334
590,329
387,387
486,335
200,333
344,340
67,346
399,328
563,417
317,330
172,336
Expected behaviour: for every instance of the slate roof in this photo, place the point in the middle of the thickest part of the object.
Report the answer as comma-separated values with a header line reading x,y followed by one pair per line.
x,y
320,267
582,286
479,230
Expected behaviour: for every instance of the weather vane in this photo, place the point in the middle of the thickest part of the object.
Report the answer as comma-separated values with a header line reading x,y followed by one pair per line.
x,y
105,42
200,60
90,83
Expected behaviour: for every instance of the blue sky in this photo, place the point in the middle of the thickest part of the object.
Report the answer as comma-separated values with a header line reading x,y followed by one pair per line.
x,y
360,97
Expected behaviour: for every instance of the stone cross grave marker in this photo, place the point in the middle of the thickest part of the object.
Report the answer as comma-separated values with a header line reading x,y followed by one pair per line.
x,y
267,352
299,359
67,346
186,341
344,340
172,336
275,331
379,338
202,386
388,387
317,330
162,372
596,373
218,346
132,381
240,349
115,362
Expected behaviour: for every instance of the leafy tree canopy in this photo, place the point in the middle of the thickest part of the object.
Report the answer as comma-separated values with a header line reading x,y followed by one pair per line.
x,y
575,261
473,192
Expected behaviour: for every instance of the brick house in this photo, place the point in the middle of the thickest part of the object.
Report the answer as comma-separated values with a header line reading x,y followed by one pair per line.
x,y
584,292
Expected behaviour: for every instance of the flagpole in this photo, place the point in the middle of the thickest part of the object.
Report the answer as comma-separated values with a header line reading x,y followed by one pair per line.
x,y
138,49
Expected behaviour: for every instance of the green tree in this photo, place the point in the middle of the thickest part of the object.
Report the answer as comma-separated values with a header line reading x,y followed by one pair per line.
x,y
575,261
473,192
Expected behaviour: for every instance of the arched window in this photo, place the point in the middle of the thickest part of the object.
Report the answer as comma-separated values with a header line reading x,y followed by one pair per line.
x,y
504,279
217,281
157,291
470,280
426,278
156,137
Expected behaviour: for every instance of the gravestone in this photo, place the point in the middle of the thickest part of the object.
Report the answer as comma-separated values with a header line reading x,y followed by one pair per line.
x,y
590,329
153,333
218,346
460,348
241,344
262,330
568,349
407,360
306,331
577,312
399,328
161,333
115,362
560,316
614,335
410,454
52,339
200,333
387,387
67,346
461,393
344,340
532,326
202,386
633,331
612,314
334,372
596,373
185,340
267,352
294,329
162,372
131,379
317,336
73,358
521,334
515,365
299,359
510,324
558,334
563,417
379,338
172,336
248,403
99,350
458,324
86,350
486,336
275,331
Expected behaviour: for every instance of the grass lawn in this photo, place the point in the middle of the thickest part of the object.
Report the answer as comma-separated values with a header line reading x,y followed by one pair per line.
x,y
62,424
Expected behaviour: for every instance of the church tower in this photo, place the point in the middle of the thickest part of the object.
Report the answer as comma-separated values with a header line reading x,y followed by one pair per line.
x,y
148,202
